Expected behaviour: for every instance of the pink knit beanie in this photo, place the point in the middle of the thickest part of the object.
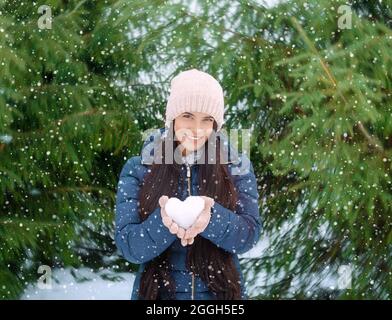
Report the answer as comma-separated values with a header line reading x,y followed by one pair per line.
x,y
194,90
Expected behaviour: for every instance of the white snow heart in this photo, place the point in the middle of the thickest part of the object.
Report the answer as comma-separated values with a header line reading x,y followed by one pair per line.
x,y
184,213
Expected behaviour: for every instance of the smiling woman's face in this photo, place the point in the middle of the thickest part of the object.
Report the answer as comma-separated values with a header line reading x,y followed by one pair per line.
x,y
192,130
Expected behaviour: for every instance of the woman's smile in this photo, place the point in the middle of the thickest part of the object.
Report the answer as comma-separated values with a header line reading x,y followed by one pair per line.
x,y
195,138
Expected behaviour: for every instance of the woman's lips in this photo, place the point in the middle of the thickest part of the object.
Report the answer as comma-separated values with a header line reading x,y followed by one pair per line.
x,y
193,137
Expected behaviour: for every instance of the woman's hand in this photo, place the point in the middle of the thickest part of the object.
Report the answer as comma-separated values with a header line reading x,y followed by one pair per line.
x,y
168,222
201,222
187,237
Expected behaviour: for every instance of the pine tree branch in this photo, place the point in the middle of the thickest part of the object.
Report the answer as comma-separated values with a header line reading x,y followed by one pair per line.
x,y
76,8
90,112
261,42
372,140
33,22
16,222
85,189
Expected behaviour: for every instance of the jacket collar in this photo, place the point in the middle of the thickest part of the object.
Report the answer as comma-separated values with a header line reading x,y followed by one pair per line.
x,y
229,154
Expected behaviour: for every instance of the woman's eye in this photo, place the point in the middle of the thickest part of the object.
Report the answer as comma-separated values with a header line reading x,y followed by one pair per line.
x,y
186,116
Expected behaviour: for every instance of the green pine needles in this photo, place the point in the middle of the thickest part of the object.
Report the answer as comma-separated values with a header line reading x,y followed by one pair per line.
x,y
74,100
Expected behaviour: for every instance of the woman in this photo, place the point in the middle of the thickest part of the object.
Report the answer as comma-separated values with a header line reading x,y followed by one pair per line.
x,y
200,262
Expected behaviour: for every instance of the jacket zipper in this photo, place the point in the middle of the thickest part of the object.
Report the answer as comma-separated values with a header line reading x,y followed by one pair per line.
x,y
188,174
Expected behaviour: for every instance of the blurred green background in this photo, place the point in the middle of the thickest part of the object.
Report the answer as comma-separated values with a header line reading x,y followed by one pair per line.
x,y
76,98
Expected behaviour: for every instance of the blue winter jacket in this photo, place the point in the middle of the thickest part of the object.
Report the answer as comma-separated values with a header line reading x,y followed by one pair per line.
x,y
140,242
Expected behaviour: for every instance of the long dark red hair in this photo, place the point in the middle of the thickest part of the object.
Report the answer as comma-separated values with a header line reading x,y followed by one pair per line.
x,y
214,265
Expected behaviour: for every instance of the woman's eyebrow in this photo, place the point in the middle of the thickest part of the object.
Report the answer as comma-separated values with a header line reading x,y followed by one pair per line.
x,y
191,114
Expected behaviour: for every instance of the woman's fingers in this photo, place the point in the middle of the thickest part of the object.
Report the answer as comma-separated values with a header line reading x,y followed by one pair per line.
x,y
208,203
167,221
164,213
173,228
180,232
184,242
190,233
162,200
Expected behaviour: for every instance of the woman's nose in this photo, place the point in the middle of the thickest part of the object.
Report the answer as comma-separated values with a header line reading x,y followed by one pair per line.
x,y
198,132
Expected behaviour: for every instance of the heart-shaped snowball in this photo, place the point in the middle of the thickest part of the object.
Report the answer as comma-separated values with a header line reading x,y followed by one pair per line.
x,y
184,213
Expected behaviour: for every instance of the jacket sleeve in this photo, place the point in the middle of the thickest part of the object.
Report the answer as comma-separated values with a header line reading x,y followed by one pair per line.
x,y
137,241
237,232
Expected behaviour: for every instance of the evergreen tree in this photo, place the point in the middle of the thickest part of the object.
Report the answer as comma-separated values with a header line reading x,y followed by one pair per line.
x,y
66,128
317,97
